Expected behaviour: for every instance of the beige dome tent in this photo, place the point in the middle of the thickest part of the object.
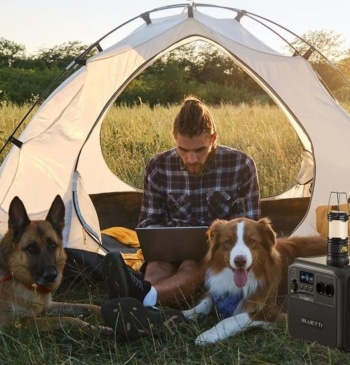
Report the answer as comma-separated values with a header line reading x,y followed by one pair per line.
x,y
59,151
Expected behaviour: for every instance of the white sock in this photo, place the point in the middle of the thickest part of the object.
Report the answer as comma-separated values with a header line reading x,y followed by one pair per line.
x,y
150,299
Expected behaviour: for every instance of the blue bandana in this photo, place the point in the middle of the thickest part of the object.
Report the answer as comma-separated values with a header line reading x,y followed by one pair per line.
x,y
226,304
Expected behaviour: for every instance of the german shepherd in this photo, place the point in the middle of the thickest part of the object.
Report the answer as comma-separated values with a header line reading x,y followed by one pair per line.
x,y
32,259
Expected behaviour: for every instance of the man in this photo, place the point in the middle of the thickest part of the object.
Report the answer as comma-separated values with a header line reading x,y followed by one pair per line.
x,y
192,184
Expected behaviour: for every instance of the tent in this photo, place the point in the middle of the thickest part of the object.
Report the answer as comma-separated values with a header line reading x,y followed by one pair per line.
x,y
59,150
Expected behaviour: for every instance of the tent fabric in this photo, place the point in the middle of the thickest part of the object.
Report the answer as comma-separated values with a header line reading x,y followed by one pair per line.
x,y
61,152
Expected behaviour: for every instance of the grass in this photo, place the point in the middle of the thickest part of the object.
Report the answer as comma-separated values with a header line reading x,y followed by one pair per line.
x,y
260,347
130,136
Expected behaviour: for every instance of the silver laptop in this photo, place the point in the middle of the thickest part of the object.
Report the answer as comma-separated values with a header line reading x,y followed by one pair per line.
x,y
173,244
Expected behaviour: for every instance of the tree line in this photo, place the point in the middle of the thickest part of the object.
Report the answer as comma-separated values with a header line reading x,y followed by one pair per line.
x,y
197,68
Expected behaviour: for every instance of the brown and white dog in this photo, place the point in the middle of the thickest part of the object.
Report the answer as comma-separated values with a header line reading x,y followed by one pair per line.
x,y
247,275
32,259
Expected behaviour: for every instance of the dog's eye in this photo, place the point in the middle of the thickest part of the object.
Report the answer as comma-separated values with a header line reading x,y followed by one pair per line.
x,y
227,243
32,248
252,242
51,244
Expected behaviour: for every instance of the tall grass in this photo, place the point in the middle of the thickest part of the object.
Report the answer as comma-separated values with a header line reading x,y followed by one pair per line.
x,y
130,136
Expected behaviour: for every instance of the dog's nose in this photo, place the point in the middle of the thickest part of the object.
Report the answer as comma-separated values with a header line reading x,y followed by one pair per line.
x,y
48,276
240,261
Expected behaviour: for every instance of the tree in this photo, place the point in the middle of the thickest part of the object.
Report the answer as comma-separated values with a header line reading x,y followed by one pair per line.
x,y
60,56
21,86
23,79
344,64
328,42
197,68
331,46
10,52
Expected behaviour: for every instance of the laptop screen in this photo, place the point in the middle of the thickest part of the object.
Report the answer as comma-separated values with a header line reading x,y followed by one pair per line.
x,y
173,244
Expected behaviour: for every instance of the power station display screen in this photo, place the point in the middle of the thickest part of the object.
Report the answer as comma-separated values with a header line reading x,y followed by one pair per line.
x,y
306,277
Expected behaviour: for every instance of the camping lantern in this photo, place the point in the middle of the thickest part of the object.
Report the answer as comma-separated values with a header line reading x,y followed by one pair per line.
x,y
338,239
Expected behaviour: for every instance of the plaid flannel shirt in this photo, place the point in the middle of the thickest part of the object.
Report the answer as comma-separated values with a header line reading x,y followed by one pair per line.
x,y
227,188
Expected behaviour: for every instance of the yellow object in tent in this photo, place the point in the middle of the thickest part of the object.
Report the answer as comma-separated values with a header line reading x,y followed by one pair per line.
x,y
129,238
124,235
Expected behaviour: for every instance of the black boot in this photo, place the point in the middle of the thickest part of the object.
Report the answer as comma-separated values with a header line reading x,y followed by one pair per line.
x,y
121,280
130,319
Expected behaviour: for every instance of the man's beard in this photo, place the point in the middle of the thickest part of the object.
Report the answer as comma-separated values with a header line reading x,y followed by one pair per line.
x,y
195,168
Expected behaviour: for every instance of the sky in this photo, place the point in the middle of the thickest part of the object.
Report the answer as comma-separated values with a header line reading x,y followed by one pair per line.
x,y
38,24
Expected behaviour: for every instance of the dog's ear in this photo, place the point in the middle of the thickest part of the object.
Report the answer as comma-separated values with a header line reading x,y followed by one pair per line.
x,y
268,231
215,229
214,233
18,218
56,214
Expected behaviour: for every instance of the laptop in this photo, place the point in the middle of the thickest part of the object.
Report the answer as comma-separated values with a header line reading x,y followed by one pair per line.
x,y
173,244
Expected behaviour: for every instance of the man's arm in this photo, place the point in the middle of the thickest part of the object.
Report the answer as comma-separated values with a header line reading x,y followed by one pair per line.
x,y
153,211
250,191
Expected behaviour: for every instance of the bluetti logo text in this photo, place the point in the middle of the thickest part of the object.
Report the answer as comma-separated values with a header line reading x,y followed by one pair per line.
x,y
312,323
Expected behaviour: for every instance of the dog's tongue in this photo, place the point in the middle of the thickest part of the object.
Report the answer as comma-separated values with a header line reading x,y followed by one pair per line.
x,y
240,277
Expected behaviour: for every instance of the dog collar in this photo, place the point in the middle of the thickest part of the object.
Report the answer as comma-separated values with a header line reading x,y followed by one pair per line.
x,y
226,304
34,287
6,278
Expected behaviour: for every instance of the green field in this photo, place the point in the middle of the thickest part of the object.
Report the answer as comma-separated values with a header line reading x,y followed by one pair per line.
x,y
130,136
